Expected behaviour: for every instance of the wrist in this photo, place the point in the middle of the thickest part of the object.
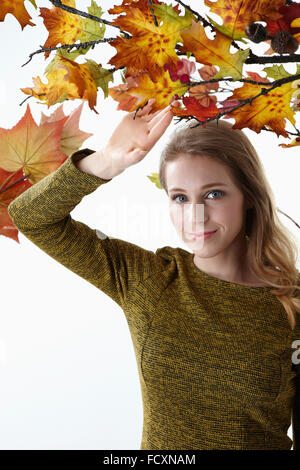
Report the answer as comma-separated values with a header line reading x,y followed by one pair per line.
x,y
97,164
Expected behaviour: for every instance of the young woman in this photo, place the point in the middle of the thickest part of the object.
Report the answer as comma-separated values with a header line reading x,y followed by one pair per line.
x,y
213,330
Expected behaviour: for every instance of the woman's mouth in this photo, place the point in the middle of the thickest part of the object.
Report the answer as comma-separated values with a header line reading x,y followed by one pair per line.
x,y
201,235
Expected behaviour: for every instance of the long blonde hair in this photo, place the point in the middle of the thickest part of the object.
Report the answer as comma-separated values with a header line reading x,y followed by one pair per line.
x,y
272,247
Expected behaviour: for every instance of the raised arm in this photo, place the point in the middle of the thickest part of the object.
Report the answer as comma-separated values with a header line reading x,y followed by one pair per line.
x,y
42,214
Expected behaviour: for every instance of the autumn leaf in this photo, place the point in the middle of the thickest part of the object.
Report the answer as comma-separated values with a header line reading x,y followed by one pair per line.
x,y
67,28
237,14
72,137
194,108
266,110
101,76
214,51
154,177
12,184
202,92
277,72
139,89
294,143
151,46
18,10
32,148
184,68
69,80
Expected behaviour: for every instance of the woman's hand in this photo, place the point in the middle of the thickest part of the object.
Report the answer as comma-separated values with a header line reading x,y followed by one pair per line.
x,y
133,138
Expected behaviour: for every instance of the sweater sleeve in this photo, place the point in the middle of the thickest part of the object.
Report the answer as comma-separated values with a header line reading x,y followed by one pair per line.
x,y
42,214
296,414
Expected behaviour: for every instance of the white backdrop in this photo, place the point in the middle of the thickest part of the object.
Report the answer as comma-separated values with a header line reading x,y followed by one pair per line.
x,y
68,373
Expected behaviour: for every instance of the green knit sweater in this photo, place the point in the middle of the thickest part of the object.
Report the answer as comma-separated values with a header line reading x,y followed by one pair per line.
x,y
214,357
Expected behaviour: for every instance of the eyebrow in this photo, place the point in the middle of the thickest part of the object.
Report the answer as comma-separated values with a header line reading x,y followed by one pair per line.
x,y
203,187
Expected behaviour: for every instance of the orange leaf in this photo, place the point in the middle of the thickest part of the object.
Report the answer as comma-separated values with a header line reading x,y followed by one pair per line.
x,y
237,14
32,148
63,27
267,110
201,94
151,46
12,184
139,89
17,9
207,72
214,51
194,108
69,80
72,137
294,143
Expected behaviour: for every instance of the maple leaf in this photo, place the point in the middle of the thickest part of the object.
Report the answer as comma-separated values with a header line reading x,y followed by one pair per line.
x,y
32,148
17,9
140,88
194,108
266,110
67,28
151,46
69,80
100,75
72,137
237,14
12,184
214,51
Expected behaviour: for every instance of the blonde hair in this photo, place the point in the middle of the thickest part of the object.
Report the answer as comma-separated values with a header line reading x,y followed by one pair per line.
x,y
272,247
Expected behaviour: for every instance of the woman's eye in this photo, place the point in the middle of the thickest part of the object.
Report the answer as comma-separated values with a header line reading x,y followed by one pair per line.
x,y
211,192
216,191
176,196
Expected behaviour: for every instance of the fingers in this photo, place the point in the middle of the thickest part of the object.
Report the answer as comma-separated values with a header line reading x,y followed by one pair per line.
x,y
146,108
159,125
156,117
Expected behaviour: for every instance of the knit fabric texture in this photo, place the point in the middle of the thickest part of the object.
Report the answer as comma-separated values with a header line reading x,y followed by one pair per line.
x,y
214,357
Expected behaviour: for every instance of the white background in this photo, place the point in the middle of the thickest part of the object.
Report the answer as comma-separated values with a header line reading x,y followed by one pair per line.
x,y
68,371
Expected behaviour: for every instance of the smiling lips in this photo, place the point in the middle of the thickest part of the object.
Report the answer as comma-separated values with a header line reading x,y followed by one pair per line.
x,y
200,234
204,235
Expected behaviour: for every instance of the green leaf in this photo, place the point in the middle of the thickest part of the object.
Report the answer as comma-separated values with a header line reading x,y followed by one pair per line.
x,y
61,53
100,75
93,30
155,179
123,73
278,71
33,3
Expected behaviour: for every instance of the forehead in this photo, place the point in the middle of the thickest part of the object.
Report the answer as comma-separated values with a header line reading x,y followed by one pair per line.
x,y
194,170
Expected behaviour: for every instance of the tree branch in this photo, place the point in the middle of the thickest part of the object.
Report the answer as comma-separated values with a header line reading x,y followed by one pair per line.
x,y
80,45
264,91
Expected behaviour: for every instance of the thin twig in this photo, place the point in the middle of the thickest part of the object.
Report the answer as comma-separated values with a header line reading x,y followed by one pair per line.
x,y
152,12
80,45
255,59
69,9
204,20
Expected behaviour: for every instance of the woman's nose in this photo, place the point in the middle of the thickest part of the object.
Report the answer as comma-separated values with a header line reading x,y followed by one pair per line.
x,y
194,217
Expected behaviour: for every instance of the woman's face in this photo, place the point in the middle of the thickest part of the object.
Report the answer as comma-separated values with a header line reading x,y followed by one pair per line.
x,y
208,200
